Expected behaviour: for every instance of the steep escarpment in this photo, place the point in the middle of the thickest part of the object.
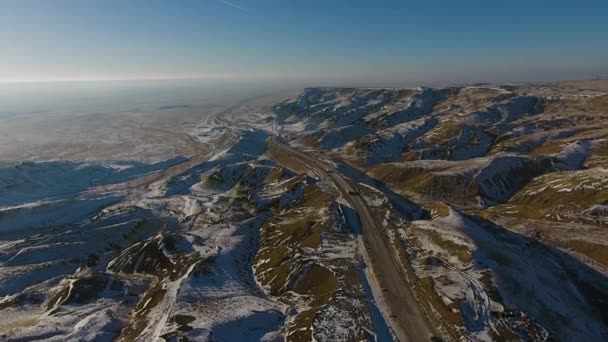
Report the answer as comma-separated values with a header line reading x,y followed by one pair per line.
x,y
501,172
481,181
491,200
474,144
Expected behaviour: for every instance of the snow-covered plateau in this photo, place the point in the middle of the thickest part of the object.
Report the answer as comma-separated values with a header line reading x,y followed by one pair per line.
x,y
182,226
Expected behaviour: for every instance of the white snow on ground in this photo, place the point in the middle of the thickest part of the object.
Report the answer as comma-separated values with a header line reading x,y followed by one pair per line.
x,y
56,188
586,180
210,209
221,296
573,155
29,181
495,179
51,194
464,286
528,276
372,290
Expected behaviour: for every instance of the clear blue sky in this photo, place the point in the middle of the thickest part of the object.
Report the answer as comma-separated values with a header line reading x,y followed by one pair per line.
x,y
328,41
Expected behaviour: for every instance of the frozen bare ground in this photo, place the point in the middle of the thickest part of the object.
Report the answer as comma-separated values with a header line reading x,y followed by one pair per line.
x,y
176,221
62,283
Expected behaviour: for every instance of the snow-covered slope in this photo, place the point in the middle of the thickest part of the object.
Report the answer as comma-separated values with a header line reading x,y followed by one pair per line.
x,y
492,199
505,174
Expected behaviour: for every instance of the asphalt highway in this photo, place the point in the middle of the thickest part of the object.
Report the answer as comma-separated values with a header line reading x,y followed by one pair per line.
x,y
407,320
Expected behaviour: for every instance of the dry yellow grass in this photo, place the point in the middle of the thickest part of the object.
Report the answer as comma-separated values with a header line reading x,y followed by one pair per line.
x,y
280,266
139,320
448,318
286,159
594,251
462,252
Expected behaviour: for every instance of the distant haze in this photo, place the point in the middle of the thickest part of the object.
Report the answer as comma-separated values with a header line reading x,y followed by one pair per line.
x,y
142,120
318,42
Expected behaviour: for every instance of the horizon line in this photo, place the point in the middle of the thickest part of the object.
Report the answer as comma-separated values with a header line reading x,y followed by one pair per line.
x,y
233,78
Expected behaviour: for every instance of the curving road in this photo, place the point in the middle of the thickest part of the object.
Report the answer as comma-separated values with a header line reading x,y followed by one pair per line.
x,y
406,318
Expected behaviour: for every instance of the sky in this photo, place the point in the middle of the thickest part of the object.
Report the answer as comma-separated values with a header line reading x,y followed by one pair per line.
x,y
337,42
